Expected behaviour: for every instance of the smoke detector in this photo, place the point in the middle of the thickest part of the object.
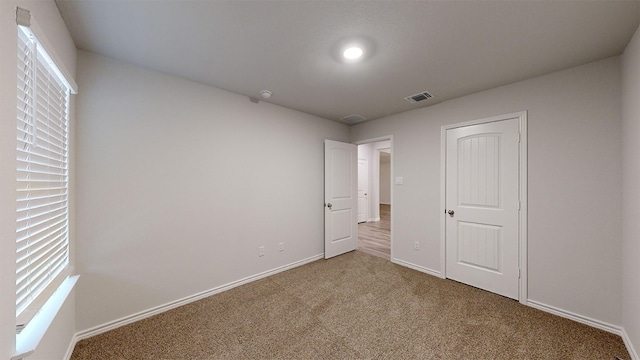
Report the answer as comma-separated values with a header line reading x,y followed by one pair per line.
x,y
352,119
265,94
416,98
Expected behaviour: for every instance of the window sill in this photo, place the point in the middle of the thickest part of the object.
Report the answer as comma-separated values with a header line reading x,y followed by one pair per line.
x,y
29,338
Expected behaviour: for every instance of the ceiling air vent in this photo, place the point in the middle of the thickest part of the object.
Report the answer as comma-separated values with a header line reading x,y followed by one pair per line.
x,y
425,95
352,119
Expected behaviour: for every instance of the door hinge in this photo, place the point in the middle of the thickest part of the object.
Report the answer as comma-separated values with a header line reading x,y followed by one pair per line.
x,y
519,136
518,273
519,205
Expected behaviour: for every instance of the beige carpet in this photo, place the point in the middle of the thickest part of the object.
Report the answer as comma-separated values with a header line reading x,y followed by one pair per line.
x,y
355,306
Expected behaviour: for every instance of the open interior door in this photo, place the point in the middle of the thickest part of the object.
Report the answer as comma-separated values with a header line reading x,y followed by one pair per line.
x,y
340,198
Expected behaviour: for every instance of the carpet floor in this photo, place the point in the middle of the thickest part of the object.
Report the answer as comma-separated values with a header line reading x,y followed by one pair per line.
x,y
354,306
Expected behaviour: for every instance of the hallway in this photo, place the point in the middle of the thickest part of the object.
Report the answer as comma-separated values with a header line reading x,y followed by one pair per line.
x,y
375,237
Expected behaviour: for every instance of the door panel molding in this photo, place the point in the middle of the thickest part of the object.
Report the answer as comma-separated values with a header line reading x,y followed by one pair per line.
x,y
522,179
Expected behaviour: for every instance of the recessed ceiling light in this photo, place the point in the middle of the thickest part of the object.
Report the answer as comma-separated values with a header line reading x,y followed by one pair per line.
x,y
353,53
352,50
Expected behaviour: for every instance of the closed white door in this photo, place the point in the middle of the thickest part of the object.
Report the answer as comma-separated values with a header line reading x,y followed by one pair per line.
x,y
482,205
363,189
340,198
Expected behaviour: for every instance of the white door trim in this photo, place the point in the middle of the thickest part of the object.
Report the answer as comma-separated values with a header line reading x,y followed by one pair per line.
x,y
390,139
522,231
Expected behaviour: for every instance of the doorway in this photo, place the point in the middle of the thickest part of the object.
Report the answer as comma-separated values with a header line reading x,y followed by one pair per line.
x,y
374,234
363,190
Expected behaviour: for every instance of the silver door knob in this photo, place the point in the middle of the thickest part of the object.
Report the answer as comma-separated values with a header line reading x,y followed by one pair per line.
x,y
329,205
451,212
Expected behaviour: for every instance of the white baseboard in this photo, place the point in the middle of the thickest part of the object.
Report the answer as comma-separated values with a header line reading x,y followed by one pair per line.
x,y
588,321
384,203
373,219
189,299
417,267
72,345
629,345
575,317
186,300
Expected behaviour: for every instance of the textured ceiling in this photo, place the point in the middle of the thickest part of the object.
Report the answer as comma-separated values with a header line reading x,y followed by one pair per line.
x,y
447,48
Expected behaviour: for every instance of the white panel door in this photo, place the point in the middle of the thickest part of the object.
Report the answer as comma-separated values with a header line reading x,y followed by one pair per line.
x,y
363,189
482,203
340,198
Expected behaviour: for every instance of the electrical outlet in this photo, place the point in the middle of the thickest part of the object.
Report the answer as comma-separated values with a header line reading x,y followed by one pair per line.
x,y
281,246
416,245
261,251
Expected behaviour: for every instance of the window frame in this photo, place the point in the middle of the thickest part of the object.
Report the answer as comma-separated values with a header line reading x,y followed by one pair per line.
x,y
29,338
42,181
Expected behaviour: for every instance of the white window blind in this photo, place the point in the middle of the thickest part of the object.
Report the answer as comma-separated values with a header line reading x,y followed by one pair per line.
x,y
42,233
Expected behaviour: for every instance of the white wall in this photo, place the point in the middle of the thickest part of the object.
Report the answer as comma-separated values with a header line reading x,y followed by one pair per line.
x,y
631,191
385,181
180,183
575,173
57,339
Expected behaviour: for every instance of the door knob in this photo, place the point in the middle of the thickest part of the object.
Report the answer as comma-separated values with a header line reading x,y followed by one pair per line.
x,y
451,212
329,205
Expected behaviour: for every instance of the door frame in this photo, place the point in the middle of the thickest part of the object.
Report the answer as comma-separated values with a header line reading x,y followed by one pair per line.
x,y
522,173
366,212
391,146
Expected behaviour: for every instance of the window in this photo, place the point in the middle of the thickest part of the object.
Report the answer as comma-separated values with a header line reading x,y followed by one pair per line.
x,y
42,228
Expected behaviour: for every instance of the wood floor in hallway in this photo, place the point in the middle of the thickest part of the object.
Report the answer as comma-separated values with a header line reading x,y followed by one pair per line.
x,y
375,237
